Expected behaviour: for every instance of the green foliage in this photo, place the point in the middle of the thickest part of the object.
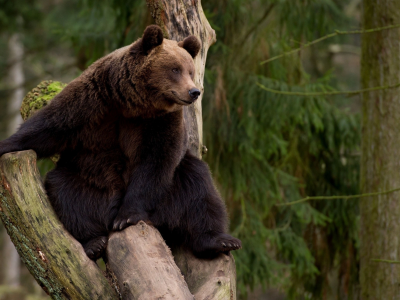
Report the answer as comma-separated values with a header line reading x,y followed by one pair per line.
x,y
266,148
17,17
97,28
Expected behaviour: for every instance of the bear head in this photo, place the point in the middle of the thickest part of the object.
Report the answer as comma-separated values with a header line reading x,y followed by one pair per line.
x,y
162,71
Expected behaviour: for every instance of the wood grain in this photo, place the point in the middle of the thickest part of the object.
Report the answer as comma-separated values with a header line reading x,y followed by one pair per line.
x,y
144,266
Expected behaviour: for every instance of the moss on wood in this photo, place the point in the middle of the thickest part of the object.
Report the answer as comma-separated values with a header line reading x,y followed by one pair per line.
x,y
40,96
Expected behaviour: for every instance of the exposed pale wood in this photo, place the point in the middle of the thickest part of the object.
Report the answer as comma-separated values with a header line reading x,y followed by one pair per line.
x,y
52,255
144,266
208,279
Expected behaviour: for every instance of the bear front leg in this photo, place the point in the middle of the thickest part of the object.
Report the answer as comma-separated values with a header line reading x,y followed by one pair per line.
x,y
130,213
147,187
50,130
36,134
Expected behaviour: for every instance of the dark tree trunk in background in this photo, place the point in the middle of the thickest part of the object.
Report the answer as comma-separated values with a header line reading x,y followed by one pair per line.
x,y
380,165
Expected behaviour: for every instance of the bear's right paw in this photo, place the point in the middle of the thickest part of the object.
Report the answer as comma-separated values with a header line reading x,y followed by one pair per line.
x,y
125,219
95,248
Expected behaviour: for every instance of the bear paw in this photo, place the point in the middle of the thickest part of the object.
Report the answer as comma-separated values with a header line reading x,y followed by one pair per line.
x,y
95,248
222,243
125,219
226,243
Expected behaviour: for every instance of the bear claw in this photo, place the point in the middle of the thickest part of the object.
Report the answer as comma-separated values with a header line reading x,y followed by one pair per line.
x,y
228,243
125,219
95,248
221,243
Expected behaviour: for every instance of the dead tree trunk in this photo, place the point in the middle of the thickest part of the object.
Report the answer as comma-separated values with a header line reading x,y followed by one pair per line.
x,y
141,265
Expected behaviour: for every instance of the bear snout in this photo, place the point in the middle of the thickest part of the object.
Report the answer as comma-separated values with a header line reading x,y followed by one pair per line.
x,y
194,93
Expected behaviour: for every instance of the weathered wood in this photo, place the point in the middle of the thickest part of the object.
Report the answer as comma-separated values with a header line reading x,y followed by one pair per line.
x,y
144,266
52,255
208,278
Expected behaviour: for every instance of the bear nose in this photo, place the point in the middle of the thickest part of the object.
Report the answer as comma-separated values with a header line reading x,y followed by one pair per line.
x,y
194,93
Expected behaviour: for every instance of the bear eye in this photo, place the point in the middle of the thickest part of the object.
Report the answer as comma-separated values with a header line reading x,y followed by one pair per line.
x,y
175,70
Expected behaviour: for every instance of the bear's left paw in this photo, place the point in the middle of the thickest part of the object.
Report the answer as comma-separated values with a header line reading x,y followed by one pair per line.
x,y
95,248
126,218
226,243
207,247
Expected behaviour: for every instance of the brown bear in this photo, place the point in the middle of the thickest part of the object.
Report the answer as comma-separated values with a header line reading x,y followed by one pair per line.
x,y
124,157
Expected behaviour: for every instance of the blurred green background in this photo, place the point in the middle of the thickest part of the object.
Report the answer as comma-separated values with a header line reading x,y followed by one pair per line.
x,y
264,148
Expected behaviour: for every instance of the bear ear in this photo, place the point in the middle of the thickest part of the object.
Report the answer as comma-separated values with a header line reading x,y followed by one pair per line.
x,y
191,44
152,37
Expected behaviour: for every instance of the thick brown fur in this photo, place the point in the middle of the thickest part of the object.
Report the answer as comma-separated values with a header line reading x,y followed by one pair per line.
x,y
120,133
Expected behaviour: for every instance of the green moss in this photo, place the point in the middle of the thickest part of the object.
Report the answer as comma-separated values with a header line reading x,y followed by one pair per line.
x,y
40,96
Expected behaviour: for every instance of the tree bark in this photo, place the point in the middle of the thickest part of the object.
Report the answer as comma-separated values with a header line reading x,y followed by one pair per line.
x,y
208,279
380,215
144,266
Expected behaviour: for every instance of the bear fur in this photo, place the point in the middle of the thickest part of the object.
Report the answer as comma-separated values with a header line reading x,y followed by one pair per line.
x,y
124,157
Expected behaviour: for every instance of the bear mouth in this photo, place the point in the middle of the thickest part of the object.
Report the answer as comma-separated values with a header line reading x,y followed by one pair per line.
x,y
181,100
187,102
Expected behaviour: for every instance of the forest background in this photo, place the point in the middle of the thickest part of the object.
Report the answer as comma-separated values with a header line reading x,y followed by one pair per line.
x,y
264,148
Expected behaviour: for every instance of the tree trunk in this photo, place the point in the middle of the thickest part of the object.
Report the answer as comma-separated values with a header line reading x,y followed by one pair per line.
x,y
52,255
16,78
139,271
380,165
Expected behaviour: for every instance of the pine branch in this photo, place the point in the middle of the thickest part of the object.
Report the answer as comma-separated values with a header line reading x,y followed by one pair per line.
x,y
314,94
386,261
337,197
336,33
